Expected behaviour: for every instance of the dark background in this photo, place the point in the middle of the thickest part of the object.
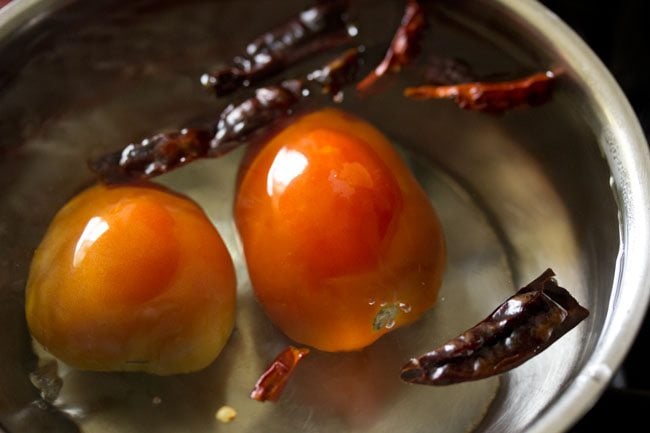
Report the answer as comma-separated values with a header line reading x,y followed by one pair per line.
x,y
619,32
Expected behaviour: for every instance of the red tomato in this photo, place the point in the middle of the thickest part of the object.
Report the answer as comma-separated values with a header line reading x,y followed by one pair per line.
x,y
341,242
132,278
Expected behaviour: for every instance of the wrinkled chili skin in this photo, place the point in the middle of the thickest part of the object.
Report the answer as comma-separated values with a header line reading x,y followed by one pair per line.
x,y
492,97
338,73
152,156
271,383
164,152
313,30
236,124
523,326
404,46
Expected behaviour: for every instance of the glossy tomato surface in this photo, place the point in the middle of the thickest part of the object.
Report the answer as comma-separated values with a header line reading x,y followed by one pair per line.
x,y
341,242
132,278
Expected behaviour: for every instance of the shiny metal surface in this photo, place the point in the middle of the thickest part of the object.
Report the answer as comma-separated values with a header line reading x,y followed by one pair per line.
x,y
516,194
621,140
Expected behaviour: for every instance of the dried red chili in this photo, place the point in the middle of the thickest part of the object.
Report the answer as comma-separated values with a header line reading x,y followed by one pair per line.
x,y
164,152
272,382
313,30
404,46
338,73
523,326
495,97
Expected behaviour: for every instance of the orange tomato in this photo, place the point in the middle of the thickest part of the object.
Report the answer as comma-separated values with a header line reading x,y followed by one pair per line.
x,y
132,278
341,242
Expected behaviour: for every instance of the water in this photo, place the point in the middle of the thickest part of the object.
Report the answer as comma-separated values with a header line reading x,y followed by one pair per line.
x,y
352,392
47,380
502,217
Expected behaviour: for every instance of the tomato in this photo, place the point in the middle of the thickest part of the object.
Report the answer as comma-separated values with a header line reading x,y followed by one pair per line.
x,y
132,278
341,242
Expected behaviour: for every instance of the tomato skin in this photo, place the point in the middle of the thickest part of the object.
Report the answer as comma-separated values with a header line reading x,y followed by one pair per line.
x,y
132,278
341,242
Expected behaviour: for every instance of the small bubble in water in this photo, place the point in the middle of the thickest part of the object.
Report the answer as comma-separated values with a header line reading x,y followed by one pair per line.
x,y
156,400
406,308
385,317
372,301
46,379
